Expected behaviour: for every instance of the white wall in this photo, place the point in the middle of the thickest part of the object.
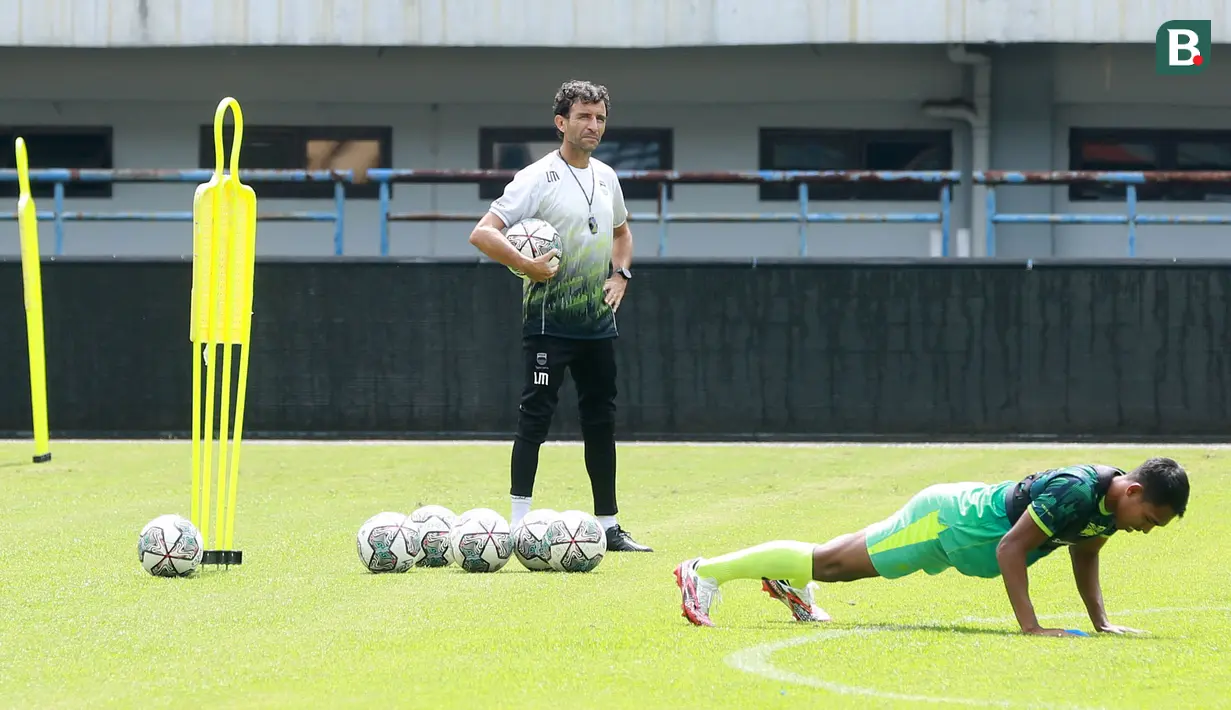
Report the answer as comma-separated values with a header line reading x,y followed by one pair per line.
x,y
714,99
585,23
1043,92
1118,87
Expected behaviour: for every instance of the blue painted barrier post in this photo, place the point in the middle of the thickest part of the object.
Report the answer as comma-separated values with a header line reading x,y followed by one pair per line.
x,y
384,218
59,218
339,222
990,240
1131,198
803,219
946,198
662,218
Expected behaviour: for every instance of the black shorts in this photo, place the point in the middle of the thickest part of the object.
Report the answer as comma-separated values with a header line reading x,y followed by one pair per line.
x,y
591,363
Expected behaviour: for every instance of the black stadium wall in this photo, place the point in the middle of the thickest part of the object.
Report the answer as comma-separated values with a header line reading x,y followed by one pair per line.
x,y
905,350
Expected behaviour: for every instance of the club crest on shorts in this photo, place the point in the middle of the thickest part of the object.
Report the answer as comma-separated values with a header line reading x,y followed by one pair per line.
x,y
541,359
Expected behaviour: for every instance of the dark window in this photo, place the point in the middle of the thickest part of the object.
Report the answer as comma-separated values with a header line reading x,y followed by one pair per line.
x,y
1135,150
59,147
839,149
622,149
305,148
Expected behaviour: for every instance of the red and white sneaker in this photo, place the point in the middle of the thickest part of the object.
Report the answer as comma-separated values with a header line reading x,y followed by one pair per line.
x,y
799,601
697,592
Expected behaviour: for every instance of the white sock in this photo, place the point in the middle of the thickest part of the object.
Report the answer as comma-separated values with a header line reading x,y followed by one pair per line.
x,y
607,521
521,506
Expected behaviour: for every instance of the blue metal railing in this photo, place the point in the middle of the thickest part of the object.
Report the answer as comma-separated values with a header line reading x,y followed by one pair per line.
x,y
663,216
944,181
1130,180
60,176
803,217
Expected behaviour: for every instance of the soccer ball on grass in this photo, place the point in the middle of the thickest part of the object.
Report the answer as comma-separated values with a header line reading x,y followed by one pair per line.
x,y
170,546
434,524
577,540
388,542
530,540
481,541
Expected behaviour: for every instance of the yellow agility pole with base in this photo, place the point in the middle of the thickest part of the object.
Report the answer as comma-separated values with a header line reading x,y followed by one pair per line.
x,y
223,267
31,272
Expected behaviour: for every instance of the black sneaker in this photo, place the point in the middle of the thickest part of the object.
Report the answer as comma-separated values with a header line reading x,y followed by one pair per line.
x,y
620,541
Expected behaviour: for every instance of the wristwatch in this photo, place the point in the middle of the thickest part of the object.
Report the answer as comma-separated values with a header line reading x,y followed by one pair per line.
x,y
624,272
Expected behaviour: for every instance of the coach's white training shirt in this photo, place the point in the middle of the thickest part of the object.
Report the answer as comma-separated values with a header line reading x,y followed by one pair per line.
x,y
570,304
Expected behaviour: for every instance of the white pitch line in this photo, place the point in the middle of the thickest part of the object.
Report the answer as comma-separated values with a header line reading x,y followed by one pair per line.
x,y
757,660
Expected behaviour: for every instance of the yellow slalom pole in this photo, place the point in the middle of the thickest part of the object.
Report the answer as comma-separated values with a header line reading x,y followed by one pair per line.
x,y
224,250
204,339
27,217
241,245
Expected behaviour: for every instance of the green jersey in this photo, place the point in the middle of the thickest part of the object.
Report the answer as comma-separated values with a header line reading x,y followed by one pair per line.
x,y
960,525
584,205
1069,504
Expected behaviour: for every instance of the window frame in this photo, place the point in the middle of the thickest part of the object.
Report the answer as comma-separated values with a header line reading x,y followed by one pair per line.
x,y
854,141
74,190
300,135
490,135
1165,142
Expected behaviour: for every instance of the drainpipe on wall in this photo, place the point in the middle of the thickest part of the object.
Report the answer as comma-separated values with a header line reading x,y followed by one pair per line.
x,y
979,116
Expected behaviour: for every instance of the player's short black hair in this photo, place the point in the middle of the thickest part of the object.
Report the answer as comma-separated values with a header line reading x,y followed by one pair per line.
x,y
580,92
1164,482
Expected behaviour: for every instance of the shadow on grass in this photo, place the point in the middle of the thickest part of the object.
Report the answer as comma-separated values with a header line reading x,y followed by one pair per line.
x,y
956,628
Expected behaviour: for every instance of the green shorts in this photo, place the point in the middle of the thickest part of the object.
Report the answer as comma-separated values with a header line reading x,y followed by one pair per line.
x,y
949,525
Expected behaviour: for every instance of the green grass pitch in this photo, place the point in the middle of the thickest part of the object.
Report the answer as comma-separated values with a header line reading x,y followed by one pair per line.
x,y
302,624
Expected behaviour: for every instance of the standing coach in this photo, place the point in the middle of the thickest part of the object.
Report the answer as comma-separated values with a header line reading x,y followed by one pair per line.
x,y
568,311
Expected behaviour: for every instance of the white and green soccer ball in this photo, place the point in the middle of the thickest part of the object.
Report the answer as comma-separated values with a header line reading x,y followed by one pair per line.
x,y
388,542
170,546
481,541
530,540
533,237
435,526
577,540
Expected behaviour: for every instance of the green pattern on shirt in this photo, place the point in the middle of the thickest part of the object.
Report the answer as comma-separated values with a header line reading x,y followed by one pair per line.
x,y
1066,501
571,304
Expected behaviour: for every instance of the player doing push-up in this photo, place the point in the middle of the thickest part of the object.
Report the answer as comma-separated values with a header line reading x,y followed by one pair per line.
x,y
978,529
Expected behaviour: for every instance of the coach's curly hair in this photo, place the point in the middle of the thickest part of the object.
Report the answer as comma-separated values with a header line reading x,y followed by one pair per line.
x,y
577,91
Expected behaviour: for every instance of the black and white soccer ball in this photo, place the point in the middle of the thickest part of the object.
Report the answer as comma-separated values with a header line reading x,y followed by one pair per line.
x,y
388,542
434,524
577,540
170,546
481,541
533,238
530,539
